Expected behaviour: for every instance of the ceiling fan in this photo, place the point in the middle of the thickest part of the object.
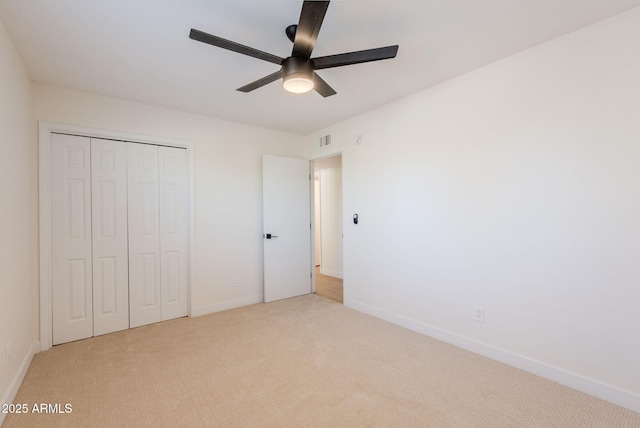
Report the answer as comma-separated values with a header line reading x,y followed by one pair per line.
x,y
298,71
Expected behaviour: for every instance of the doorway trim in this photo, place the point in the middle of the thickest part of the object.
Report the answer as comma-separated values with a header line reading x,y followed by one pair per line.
x,y
45,129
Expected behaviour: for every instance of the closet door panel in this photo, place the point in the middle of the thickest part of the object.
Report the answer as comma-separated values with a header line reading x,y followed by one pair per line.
x,y
174,237
109,226
71,266
145,304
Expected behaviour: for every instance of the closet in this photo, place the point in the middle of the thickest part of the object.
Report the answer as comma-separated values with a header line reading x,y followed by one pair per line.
x,y
119,241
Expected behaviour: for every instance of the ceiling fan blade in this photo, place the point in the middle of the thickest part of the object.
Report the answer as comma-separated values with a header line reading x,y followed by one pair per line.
x,y
357,57
233,46
308,29
261,82
322,87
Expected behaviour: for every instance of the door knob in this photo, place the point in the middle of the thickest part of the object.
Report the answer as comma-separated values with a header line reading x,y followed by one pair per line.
x,y
269,236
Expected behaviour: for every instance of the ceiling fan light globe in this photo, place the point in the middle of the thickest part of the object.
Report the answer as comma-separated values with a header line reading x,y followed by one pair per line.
x,y
297,83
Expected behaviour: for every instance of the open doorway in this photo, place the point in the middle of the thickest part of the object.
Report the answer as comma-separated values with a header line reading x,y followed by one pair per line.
x,y
328,227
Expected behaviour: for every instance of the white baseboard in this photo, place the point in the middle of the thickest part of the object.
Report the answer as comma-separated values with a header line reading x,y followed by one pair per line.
x,y
332,273
14,386
229,304
613,394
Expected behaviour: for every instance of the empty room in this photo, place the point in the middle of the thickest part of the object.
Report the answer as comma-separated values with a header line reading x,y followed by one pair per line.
x,y
182,181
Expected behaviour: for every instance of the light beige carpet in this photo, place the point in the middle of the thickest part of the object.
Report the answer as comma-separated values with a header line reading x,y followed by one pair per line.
x,y
302,362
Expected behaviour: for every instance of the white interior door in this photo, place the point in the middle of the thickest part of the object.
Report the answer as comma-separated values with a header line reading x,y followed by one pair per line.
x,y
144,234
109,226
174,235
286,227
71,265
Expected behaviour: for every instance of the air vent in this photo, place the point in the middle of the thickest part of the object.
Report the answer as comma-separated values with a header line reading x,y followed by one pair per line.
x,y
325,140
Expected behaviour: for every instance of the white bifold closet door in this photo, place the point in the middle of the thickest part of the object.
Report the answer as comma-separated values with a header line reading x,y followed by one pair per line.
x,y
158,237
109,226
71,264
119,230
174,233
89,237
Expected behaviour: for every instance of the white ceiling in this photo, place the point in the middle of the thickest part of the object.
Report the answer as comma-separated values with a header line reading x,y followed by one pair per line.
x,y
139,50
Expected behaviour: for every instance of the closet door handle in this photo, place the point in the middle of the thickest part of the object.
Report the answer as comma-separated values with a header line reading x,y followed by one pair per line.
x,y
269,236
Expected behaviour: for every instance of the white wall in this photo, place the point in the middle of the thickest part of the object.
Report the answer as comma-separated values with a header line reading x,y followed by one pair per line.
x,y
331,221
228,183
515,187
18,221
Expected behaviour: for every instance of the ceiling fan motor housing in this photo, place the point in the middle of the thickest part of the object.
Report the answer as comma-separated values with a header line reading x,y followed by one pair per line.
x,y
297,74
297,65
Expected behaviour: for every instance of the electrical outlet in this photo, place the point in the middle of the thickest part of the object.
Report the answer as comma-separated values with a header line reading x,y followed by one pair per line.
x,y
478,313
236,281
